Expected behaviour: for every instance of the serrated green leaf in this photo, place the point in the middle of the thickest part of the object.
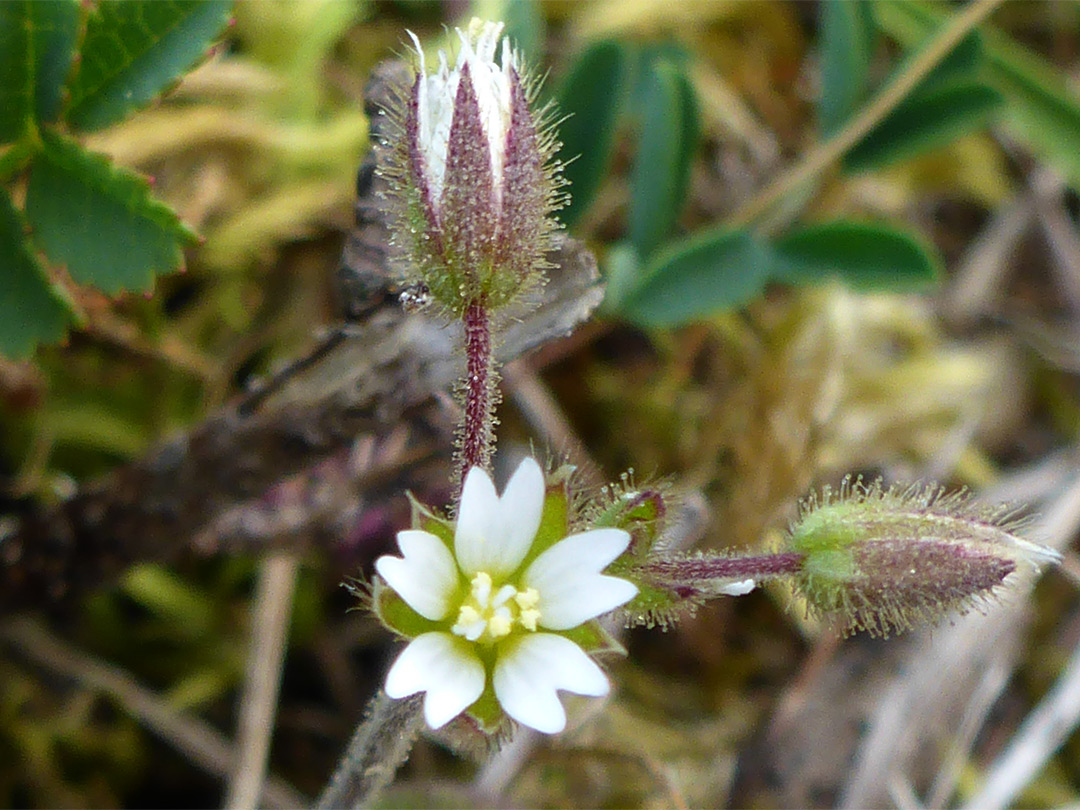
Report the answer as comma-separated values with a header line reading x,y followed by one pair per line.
x,y
923,122
37,41
714,271
1039,109
591,97
865,256
99,220
847,40
134,50
32,311
665,149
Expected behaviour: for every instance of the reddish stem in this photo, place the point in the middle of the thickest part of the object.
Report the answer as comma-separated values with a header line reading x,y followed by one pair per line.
x,y
479,388
697,569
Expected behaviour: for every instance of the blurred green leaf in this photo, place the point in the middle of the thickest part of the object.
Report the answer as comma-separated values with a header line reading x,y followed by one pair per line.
x,y
591,97
1040,110
925,121
847,41
667,140
866,256
37,41
524,22
167,595
134,50
622,271
715,270
99,220
31,309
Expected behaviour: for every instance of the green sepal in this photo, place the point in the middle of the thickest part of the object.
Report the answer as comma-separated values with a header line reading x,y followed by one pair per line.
x,y
593,638
486,711
555,516
640,513
426,519
395,613
654,606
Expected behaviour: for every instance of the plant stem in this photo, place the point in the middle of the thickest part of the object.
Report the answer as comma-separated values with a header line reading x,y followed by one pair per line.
x,y
379,747
882,104
696,570
477,433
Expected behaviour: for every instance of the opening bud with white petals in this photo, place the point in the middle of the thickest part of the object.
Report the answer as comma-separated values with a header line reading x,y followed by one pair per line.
x,y
473,183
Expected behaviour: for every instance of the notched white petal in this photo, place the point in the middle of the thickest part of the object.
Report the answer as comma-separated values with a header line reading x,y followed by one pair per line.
x,y
475,538
426,577
582,598
567,579
520,509
527,676
442,667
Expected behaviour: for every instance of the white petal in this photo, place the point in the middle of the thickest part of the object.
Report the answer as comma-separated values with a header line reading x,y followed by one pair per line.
x,y
528,674
442,666
476,530
426,578
520,509
567,579
740,588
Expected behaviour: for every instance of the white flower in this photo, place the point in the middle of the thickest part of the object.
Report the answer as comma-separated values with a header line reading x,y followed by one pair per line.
x,y
501,617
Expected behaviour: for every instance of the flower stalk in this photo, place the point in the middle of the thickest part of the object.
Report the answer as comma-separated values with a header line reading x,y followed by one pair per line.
x,y
478,430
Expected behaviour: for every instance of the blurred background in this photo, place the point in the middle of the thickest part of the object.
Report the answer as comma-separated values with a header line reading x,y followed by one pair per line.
x,y
907,308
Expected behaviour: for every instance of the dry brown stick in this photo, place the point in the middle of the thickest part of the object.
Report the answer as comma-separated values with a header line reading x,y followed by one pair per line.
x,y
271,611
193,737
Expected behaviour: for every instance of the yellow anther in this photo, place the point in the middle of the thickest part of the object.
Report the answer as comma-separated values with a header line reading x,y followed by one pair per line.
x,y
499,626
527,598
528,618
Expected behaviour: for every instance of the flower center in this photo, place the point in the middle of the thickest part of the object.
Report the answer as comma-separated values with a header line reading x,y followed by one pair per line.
x,y
487,615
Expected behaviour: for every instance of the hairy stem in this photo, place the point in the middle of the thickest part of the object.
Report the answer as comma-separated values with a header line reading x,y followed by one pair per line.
x,y
700,569
379,747
478,431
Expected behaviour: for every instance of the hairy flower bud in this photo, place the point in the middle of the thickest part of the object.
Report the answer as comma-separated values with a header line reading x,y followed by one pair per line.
x,y
473,185
886,560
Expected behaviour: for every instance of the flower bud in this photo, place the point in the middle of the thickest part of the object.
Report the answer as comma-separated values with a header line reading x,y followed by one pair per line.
x,y
473,185
886,560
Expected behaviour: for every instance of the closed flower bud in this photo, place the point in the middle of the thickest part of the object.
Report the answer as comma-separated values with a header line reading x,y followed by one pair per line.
x,y
886,560
473,185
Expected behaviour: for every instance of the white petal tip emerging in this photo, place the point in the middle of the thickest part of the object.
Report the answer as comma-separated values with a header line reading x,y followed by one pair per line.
x,y
739,588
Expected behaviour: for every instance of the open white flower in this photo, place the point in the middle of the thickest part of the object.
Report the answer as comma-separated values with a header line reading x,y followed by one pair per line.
x,y
497,611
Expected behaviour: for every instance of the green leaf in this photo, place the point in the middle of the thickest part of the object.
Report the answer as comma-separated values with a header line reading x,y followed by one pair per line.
x,y
31,309
524,20
847,40
923,122
100,220
37,41
713,271
591,97
136,49
864,255
665,149
1039,109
